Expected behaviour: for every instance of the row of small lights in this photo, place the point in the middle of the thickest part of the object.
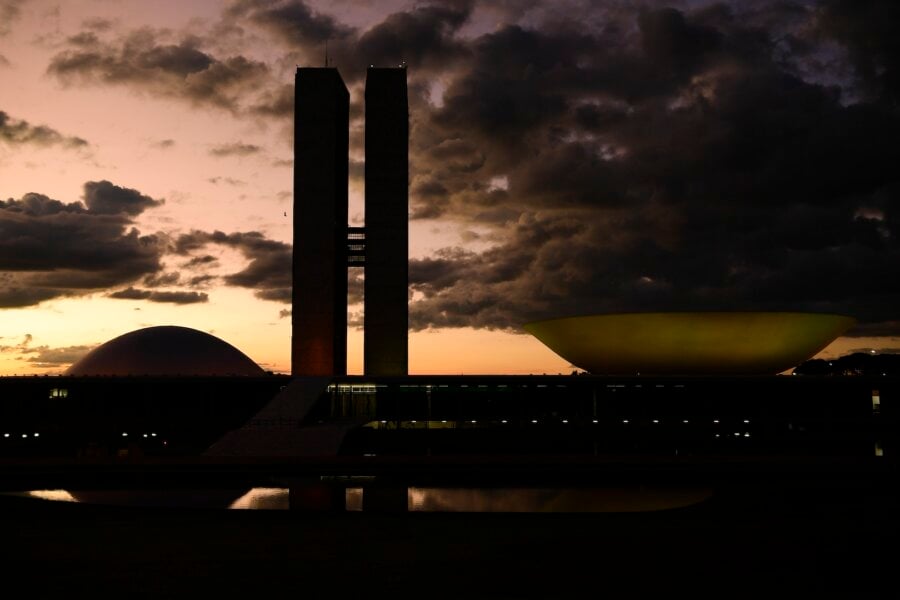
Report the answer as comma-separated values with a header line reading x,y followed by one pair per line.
x,y
625,421
25,435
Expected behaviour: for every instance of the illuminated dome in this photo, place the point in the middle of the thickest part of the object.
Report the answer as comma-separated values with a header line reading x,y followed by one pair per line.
x,y
690,343
166,350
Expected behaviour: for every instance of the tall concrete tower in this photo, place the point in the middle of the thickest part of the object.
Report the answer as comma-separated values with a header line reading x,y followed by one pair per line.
x,y
385,350
321,132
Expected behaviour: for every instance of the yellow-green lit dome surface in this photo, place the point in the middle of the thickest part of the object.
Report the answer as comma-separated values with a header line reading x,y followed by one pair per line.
x,y
690,343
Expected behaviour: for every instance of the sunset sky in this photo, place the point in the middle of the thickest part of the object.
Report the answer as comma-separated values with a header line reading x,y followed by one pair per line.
x,y
566,157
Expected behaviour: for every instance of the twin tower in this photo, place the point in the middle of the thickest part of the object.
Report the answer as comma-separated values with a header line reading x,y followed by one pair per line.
x,y
325,246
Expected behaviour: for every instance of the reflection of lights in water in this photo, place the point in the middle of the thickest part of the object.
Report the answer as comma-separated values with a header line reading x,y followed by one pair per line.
x,y
353,499
57,495
635,499
522,500
263,498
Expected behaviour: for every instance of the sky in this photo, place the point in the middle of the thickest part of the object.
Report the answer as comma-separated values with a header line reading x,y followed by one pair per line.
x,y
567,157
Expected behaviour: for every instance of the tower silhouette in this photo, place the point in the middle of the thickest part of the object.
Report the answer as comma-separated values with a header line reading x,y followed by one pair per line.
x,y
324,245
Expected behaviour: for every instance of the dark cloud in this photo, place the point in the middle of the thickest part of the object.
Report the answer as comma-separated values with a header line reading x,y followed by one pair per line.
x,y
50,358
673,160
97,24
50,249
284,313
269,269
145,60
9,14
609,156
4,62
103,197
22,346
19,132
868,30
164,144
292,20
200,260
45,356
423,38
201,280
162,279
177,297
228,180
235,149
355,286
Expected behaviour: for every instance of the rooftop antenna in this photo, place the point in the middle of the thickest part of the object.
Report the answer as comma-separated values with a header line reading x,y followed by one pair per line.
x,y
326,53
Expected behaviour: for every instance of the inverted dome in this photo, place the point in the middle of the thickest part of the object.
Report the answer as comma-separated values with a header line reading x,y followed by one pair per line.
x,y
690,343
166,350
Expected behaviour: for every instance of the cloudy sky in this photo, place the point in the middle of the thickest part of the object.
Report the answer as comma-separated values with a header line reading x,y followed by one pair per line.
x,y
566,157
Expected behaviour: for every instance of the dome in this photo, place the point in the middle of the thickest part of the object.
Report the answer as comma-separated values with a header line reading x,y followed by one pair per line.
x,y
166,350
690,343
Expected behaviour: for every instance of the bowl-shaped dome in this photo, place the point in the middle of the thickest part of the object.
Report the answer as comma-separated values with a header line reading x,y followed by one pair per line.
x,y
690,343
166,350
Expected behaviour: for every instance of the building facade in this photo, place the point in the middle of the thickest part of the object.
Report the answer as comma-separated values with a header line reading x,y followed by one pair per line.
x,y
385,350
319,297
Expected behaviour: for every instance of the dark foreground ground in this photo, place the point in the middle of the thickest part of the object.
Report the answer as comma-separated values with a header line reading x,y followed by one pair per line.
x,y
739,544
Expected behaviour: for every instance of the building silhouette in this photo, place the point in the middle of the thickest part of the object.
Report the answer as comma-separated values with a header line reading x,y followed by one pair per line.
x,y
324,245
387,231
319,297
